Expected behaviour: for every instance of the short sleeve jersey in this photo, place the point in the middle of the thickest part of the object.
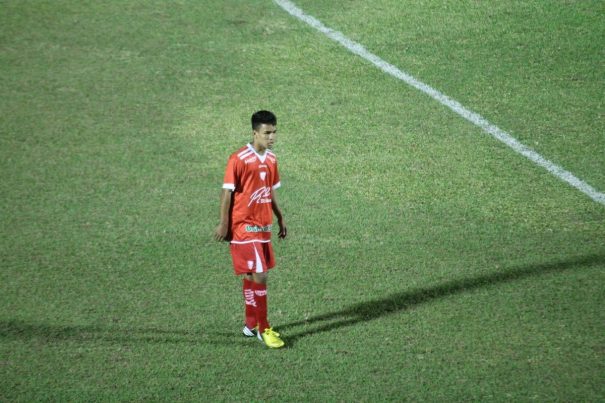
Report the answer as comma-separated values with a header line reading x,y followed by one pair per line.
x,y
252,178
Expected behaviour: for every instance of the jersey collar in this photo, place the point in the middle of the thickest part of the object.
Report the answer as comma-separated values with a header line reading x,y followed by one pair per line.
x,y
262,158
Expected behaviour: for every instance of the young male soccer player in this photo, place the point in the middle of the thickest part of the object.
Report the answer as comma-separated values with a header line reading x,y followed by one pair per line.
x,y
247,205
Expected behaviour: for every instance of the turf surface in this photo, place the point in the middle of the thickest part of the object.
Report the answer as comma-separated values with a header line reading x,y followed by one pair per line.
x,y
425,261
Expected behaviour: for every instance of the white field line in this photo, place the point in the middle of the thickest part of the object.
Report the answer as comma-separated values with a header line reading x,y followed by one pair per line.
x,y
443,99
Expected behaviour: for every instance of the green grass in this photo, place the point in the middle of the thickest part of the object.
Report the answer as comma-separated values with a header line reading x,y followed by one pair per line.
x,y
425,260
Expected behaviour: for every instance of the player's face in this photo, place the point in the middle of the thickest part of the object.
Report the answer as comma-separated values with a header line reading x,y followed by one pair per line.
x,y
264,136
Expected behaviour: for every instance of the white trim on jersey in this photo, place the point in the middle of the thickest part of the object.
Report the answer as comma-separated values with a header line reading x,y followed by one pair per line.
x,y
229,186
243,152
244,155
263,157
259,263
250,241
277,185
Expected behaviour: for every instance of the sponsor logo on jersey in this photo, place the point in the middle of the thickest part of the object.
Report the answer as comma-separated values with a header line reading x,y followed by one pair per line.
x,y
260,195
257,228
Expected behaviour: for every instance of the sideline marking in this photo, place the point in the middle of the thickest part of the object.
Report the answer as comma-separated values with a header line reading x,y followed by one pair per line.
x,y
443,99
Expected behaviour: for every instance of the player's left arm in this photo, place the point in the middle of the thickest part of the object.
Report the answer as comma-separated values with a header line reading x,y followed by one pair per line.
x,y
283,230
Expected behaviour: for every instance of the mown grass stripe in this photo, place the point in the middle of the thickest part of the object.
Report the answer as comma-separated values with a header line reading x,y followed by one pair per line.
x,y
443,99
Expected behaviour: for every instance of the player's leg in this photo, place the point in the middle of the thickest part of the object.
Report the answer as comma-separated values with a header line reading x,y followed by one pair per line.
x,y
259,284
253,260
250,306
243,255
259,278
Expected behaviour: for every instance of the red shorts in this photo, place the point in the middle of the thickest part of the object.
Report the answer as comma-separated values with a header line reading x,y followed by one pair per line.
x,y
253,257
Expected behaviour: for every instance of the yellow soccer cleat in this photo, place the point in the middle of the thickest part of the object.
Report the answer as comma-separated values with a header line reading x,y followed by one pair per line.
x,y
271,338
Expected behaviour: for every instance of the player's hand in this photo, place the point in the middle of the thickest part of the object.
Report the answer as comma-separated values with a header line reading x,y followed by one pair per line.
x,y
221,231
283,230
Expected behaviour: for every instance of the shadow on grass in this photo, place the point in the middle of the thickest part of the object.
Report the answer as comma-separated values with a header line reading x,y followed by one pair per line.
x,y
369,310
362,312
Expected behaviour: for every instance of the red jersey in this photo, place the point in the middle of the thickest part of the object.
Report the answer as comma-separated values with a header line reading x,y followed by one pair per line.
x,y
252,178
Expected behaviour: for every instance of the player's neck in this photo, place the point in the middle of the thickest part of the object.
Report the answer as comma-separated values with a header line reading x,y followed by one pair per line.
x,y
258,148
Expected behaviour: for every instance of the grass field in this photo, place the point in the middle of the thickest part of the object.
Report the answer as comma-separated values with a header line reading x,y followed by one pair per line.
x,y
425,260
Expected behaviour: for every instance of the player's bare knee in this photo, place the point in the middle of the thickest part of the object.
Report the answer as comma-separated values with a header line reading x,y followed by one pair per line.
x,y
260,278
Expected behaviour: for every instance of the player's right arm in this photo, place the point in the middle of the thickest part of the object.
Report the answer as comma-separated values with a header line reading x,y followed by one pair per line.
x,y
222,230
230,182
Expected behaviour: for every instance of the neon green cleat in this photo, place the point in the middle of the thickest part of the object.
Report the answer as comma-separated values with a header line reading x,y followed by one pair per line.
x,y
271,338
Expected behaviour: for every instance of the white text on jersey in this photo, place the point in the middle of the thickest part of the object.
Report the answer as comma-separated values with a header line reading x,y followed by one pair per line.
x,y
261,195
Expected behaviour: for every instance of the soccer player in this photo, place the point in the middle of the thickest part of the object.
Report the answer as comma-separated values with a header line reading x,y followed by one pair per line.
x,y
247,205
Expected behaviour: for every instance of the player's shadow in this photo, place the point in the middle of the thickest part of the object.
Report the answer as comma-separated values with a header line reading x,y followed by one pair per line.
x,y
354,314
367,311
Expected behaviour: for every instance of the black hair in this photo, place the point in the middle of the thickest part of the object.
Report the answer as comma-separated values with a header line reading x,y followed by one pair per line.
x,y
263,117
